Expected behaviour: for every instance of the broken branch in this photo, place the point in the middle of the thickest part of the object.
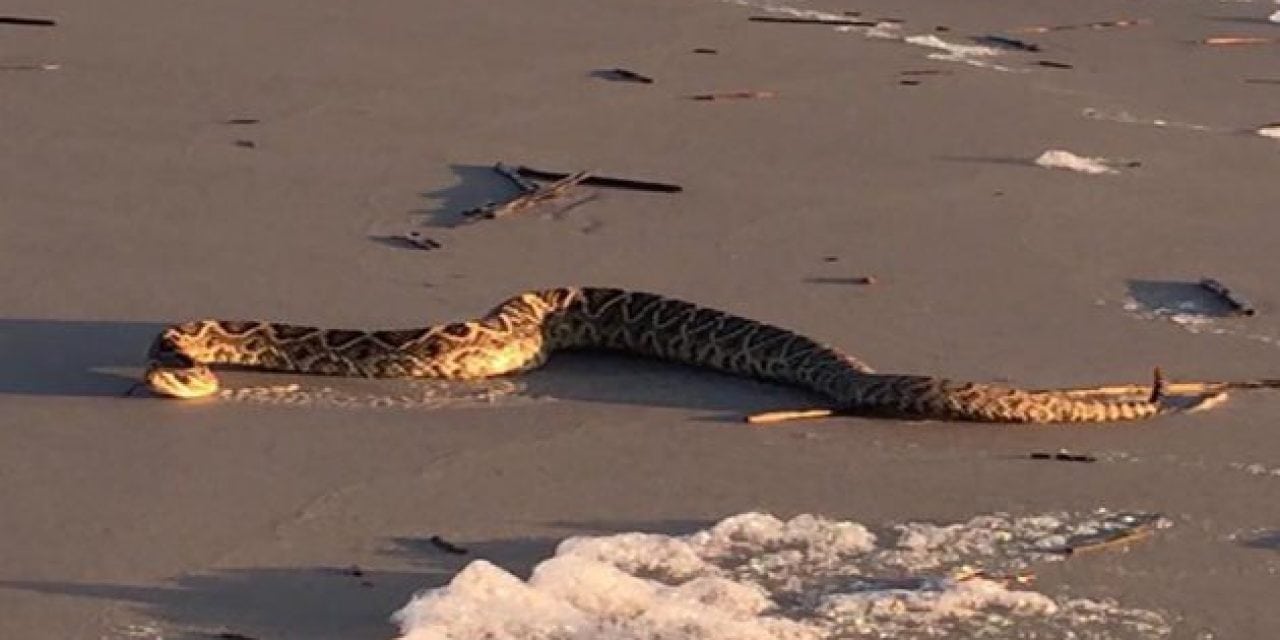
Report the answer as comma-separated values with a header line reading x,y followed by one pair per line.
x,y
603,181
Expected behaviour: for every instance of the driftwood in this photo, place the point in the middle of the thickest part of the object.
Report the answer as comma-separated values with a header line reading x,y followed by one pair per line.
x,y
828,21
1063,456
1231,40
733,95
1008,43
28,22
1107,24
1115,539
602,181
446,546
630,76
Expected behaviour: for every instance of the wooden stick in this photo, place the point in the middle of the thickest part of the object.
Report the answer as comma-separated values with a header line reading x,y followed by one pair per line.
x,y
836,22
43,66
631,76
1221,40
1008,43
1125,537
603,181
1108,24
740,95
771,417
28,22
851,280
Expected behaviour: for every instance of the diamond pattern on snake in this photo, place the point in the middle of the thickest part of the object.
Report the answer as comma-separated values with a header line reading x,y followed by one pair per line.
x,y
522,332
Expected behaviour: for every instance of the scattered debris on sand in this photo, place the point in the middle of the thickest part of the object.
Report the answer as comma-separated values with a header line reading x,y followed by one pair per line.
x,y
1063,456
734,95
626,75
446,546
1107,24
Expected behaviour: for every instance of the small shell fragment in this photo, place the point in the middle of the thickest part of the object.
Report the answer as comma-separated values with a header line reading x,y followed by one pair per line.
x,y
1270,130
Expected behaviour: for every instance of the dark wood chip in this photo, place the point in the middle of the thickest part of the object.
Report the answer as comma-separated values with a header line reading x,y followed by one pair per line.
x,y
630,76
446,546
28,22
836,22
1008,43
861,280
603,181
1063,456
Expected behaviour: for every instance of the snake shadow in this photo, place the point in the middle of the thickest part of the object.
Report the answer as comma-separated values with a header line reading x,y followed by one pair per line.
x,y
619,379
72,357
325,602
104,358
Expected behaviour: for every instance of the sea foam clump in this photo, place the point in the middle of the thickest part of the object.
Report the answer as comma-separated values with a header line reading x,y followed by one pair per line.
x,y
756,577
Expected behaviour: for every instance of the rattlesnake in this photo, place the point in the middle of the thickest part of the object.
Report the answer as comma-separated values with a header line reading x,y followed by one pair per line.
x,y
520,333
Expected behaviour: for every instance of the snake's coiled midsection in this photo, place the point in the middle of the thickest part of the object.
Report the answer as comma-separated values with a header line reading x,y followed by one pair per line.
x,y
520,333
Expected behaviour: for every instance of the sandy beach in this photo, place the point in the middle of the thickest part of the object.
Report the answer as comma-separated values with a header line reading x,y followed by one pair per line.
x,y
168,161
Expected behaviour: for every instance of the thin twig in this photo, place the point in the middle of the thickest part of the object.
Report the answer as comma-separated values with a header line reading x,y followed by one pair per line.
x,y
1122,538
733,95
1231,40
603,181
1108,24
836,22
28,22
770,417
631,76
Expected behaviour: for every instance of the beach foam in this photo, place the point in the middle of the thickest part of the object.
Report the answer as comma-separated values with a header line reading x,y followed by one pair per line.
x,y
756,577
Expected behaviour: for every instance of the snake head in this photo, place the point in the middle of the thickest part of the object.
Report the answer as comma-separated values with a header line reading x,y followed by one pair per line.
x,y
185,382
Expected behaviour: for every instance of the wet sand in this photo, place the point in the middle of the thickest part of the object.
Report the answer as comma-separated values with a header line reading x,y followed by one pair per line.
x,y
127,204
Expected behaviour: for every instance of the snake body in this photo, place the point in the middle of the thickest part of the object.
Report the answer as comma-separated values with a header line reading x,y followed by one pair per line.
x,y
523,331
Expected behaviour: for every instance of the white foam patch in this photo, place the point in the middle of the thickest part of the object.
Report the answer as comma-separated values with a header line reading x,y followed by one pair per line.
x,y
756,577
1256,469
1060,159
